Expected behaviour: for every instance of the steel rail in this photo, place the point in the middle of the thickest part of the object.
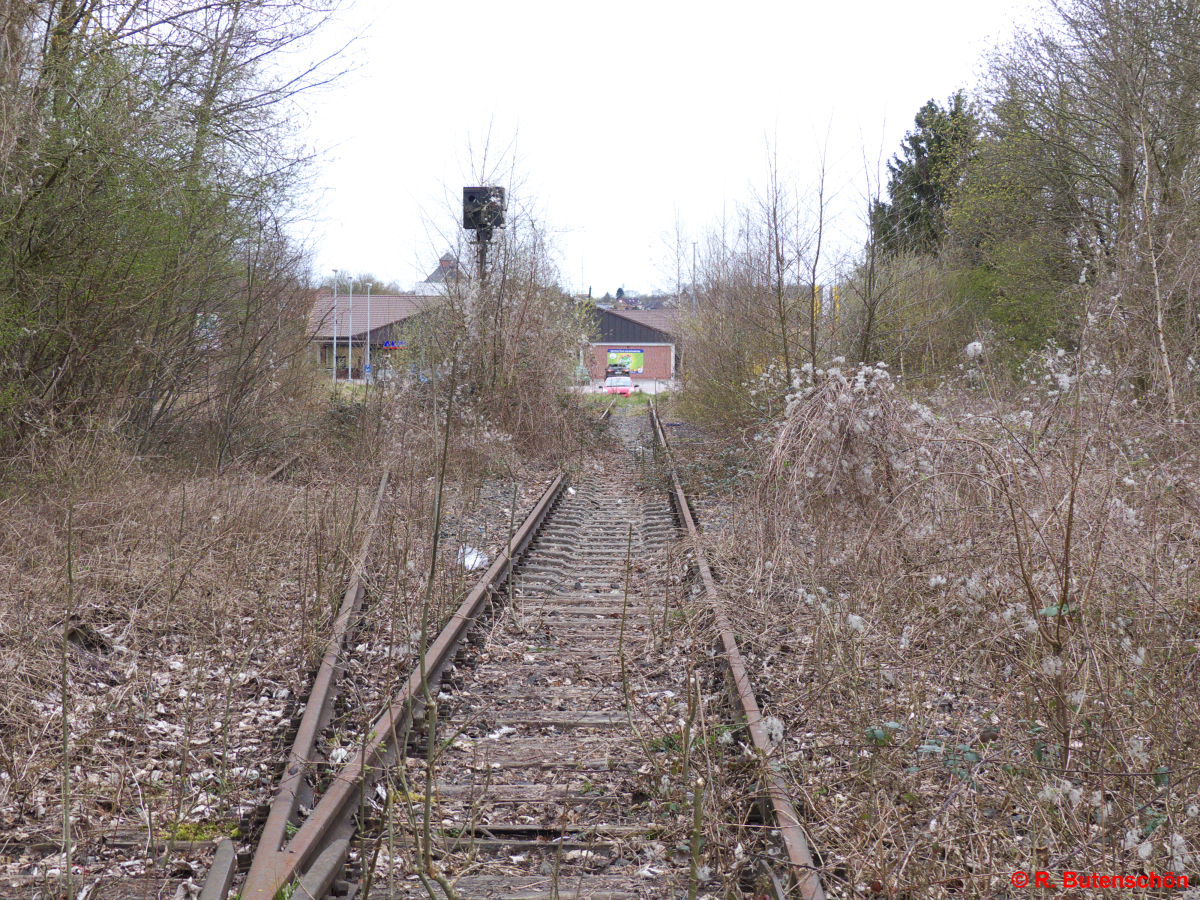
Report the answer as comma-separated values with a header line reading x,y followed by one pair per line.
x,y
802,869
317,851
317,710
221,872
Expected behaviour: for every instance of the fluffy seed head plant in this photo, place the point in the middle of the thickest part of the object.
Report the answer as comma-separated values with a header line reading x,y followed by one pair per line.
x,y
839,438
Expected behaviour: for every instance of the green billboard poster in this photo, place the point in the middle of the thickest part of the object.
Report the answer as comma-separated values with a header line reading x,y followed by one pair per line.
x,y
633,360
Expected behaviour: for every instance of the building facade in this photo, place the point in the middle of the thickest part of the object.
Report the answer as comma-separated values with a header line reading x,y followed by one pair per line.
x,y
343,328
642,340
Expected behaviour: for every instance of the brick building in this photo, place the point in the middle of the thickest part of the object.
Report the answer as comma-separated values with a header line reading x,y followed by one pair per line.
x,y
641,339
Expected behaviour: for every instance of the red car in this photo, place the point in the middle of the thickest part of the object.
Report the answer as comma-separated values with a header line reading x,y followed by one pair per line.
x,y
619,384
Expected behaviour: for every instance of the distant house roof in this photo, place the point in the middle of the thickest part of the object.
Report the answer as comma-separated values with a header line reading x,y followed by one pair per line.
x,y
386,309
447,270
655,301
664,320
636,326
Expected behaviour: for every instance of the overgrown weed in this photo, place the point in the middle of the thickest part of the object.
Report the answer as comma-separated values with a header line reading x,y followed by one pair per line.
x,y
975,613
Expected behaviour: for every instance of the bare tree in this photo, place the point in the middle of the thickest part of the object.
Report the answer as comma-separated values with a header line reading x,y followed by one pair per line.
x,y
511,330
761,314
813,263
141,146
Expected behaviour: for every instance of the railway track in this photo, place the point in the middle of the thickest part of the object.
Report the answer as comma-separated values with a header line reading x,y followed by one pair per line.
x,y
547,745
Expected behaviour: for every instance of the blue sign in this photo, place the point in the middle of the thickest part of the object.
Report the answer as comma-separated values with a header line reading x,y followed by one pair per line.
x,y
367,369
394,345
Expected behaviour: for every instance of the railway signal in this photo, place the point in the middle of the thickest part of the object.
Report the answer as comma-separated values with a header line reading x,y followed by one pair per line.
x,y
483,211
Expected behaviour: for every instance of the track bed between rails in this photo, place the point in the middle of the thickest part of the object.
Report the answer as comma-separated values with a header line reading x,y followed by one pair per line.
x,y
547,790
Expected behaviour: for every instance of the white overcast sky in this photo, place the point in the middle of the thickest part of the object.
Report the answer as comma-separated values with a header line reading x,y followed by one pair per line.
x,y
618,117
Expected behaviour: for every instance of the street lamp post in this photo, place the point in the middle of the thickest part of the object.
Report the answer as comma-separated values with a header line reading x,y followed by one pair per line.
x,y
693,277
335,317
350,334
367,369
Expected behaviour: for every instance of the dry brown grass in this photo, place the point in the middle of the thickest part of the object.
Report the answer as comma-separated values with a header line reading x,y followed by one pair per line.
x,y
977,622
201,605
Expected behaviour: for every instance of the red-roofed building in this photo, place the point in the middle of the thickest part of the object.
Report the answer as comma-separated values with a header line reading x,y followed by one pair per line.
x,y
340,328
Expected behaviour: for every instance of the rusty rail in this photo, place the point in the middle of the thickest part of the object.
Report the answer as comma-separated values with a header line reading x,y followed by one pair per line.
x,y
317,710
316,853
282,467
802,869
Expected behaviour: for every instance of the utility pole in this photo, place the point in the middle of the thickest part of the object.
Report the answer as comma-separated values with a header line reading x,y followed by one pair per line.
x,y
482,236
